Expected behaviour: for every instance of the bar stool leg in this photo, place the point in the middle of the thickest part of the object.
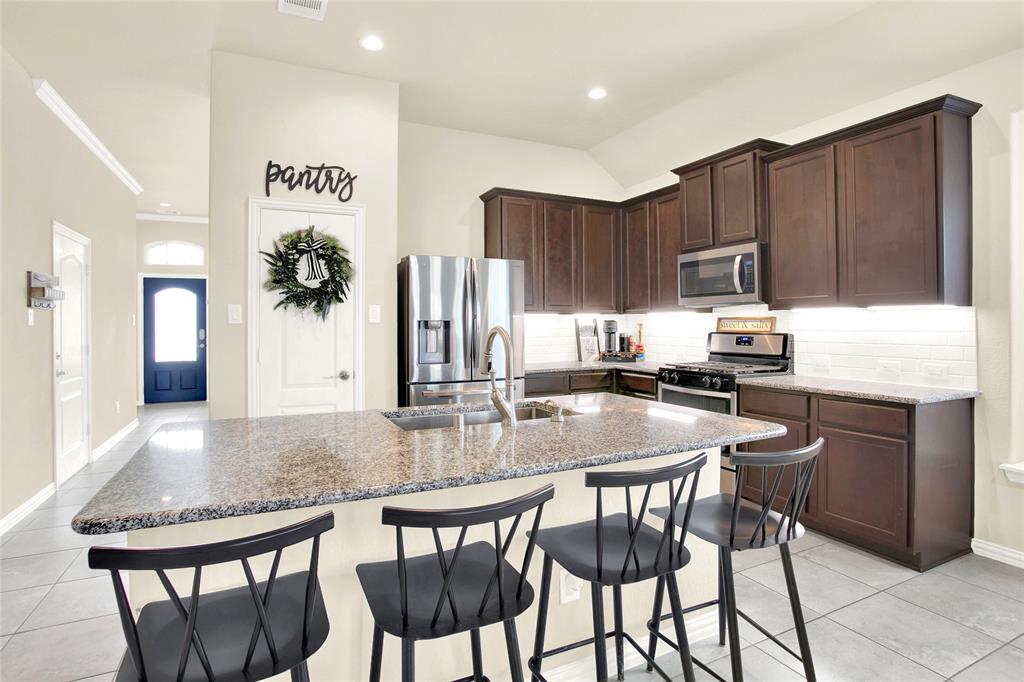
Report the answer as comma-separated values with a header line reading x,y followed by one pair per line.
x,y
542,614
721,603
735,657
300,673
620,653
515,659
680,625
376,653
600,656
798,614
478,665
652,643
408,660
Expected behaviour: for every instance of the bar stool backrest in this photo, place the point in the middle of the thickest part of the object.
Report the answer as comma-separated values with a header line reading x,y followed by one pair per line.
x,y
494,514
675,477
796,465
160,560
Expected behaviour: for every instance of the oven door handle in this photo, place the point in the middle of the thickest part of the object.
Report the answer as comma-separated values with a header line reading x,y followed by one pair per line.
x,y
724,395
736,273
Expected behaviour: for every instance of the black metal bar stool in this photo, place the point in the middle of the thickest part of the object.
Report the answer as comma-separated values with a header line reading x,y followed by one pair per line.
x,y
737,525
246,633
618,550
452,591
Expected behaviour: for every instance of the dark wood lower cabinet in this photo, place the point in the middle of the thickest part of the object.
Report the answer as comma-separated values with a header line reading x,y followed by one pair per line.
x,y
894,479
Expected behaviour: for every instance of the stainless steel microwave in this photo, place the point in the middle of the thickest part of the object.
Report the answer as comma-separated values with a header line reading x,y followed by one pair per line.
x,y
725,276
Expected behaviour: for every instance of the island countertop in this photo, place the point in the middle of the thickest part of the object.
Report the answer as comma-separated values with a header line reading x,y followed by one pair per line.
x,y
198,471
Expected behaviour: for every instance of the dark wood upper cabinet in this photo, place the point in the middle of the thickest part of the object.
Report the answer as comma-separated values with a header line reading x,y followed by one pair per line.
x,y
802,230
722,197
512,230
695,204
889,229
636,257
735,213
896,200
560,231
599,259
667,232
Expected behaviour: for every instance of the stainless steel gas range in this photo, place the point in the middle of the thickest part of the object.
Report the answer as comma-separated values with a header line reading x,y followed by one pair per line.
x,y
711,385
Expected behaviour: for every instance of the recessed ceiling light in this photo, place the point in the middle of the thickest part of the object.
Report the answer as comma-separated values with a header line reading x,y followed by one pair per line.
x,y
165,204
597,93
372,43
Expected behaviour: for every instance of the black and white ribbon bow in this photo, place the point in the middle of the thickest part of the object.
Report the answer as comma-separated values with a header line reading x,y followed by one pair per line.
x,y
314,271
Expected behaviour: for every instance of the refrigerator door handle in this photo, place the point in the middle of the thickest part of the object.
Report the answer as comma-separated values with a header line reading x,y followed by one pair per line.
x,y
473,321
467,324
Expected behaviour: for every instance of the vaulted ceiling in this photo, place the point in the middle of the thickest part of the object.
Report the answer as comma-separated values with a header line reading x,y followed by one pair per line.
x,y
138,72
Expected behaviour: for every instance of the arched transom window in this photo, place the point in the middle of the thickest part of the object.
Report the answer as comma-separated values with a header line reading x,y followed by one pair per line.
x,y
173,253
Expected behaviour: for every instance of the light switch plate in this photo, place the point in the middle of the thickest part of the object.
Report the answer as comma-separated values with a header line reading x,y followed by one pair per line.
x,y
31,317
234,313
374,314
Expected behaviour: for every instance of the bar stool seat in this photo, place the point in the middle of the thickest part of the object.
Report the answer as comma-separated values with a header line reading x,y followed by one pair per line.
x,y
425,582
227,627
711,520
572,548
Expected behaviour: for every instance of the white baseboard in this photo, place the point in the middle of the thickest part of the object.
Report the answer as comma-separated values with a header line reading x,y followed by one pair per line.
x,y
26,508
991,550
107,445
697,628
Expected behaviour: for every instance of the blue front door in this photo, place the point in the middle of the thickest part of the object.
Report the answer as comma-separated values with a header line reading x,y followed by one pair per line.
x,y
174,335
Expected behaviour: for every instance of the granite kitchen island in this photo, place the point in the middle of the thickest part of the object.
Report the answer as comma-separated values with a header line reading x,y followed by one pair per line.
x,y
205,481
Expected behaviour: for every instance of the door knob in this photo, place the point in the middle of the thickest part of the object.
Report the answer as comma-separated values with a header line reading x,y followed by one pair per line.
x,y
344,374
62,373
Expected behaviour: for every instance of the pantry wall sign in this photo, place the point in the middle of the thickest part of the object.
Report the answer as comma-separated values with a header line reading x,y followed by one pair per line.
x,y
321,179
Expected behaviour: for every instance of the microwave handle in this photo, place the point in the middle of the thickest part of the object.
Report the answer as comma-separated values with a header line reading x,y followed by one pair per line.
x,y
736,273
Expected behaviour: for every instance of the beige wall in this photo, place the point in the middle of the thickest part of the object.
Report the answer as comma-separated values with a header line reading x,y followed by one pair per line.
x,y
157,231
48,175
264,110
793,114
442,172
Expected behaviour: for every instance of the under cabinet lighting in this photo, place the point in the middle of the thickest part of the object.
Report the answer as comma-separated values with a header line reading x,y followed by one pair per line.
x,y
372,43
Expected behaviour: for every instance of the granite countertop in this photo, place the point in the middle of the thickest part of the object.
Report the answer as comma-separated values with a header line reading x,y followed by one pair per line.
x,y
866,390
198,471
571,366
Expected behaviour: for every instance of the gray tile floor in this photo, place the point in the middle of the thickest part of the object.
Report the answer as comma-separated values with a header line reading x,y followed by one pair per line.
x,y
868,619
58,619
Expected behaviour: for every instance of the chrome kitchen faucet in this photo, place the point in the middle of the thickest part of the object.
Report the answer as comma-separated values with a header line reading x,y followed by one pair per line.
x,y
504,404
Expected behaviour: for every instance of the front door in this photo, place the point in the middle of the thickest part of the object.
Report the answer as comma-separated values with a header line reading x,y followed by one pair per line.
x,y
71,353
174,339
305,364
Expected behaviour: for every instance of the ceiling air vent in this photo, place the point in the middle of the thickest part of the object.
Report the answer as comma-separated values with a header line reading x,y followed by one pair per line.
x,y
310,9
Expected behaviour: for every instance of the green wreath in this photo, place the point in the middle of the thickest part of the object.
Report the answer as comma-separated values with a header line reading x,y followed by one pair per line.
x,y
310,269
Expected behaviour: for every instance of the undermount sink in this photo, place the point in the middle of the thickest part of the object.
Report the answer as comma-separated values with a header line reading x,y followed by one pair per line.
x,y
417,422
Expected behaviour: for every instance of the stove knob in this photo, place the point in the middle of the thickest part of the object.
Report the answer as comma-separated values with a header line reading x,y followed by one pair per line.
x,y
705,382
674,378
716,383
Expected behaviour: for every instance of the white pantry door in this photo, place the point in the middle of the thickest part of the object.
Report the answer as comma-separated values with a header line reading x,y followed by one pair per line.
x,y
305,364
71,354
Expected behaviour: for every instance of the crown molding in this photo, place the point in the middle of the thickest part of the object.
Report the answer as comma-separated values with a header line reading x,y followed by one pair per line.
x,y
52,99
173,218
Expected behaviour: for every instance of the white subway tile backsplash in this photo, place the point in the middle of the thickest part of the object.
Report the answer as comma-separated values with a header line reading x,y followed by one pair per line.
x,y
846,343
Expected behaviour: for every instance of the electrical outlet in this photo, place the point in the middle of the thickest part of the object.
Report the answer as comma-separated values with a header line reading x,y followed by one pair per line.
x,y
820,364
31,317
570,587
937,370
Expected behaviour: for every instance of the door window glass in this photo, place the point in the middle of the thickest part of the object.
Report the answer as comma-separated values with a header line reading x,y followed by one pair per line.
x,y
174,328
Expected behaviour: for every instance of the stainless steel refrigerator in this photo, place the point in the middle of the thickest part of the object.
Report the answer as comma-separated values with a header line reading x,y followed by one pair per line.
x,y
446,306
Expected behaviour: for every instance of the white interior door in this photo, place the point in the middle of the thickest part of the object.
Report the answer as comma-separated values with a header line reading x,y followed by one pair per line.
x,y
71,354
306,364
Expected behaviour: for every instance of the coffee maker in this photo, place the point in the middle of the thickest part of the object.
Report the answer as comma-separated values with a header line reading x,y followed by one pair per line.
x,y
611,334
